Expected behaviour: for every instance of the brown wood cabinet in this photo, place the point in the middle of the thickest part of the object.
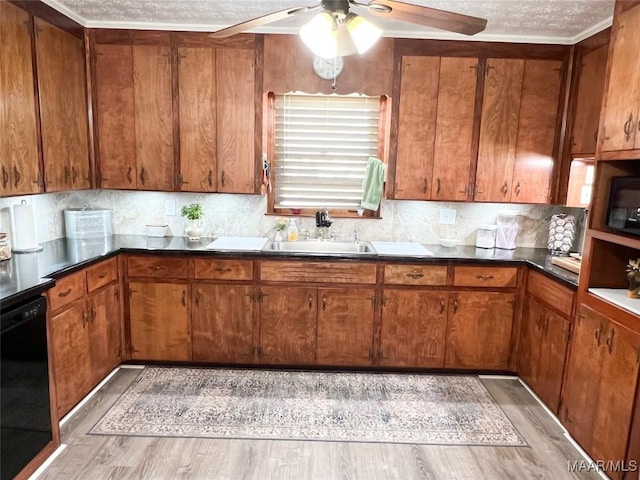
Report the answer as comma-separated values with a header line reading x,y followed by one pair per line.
x,y
413,328
19,159
197,93
115,111
621,119
86,331
288,325
544,337
159,321
479,330
222,323
518,129
63,108
592,76
600,386
436,117
345,326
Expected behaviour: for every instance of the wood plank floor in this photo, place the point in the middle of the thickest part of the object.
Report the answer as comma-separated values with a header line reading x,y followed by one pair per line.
x,y
92,457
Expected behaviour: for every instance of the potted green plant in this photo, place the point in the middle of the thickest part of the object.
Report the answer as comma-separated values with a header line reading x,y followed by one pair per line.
x,y
194,214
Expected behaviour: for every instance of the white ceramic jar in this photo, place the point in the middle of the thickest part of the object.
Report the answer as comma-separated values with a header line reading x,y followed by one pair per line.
x,y
486,236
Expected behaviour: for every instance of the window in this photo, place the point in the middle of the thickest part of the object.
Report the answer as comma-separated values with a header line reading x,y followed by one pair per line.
x,y
320,148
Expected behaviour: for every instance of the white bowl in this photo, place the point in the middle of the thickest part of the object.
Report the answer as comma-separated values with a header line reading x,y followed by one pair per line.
x,y
448,242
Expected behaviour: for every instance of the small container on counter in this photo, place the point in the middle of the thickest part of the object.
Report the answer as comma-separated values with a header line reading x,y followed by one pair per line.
x,y
508,225
5,249
486,236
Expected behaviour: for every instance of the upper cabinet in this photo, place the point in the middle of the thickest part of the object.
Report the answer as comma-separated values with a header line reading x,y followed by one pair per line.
x,y
591,77
20,163
63,108
621,119
516,154
179,113
476,128
436,113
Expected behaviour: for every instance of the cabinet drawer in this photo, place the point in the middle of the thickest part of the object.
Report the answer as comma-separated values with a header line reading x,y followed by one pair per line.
x,y
216,269
102,274
485,276
164,267
550,292
415,274
68,289
318,272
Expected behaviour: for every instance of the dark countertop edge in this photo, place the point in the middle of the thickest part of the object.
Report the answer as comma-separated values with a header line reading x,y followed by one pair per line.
x,y
27,293
565,278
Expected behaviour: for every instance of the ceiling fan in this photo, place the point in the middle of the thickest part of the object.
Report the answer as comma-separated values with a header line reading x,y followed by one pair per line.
x,y
336,31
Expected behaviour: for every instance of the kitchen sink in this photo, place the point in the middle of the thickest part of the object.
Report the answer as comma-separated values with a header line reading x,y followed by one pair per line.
x,y
317,246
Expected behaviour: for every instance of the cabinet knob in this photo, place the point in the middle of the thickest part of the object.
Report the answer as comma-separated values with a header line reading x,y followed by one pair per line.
x,y
210,178
609,340
598,334
5,177
324,302
442,305
142,175
424,186
455,306
438,186
222,177
129,178
310,302
505,189
628,128
518,189
16,176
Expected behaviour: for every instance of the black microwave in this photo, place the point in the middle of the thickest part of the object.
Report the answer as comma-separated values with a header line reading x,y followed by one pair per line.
x,y
623,210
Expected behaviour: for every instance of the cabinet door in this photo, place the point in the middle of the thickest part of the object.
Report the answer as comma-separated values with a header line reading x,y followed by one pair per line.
x,y
479,330
235,75
534,160
530,341
413,328
345,326
222,323
63,108
618,381
159,321
197,91
553,351
580,390
498,129
18,136
71,360
153,117
589,101
454,128
416,127
288,325
116,116
104,331
622,98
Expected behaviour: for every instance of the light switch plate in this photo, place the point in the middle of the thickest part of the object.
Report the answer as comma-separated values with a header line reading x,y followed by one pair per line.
x,y
170,208
447,216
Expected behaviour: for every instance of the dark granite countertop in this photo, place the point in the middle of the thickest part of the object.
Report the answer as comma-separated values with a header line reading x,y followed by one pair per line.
x,y
26,275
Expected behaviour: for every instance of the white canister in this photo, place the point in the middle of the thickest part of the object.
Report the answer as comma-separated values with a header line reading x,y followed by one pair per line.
x,y
508,225
486,236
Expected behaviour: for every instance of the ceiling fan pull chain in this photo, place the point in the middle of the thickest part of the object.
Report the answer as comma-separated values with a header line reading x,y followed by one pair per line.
x,y
334,86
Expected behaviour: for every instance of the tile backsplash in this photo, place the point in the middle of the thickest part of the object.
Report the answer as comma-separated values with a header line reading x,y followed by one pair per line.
x,y
244,215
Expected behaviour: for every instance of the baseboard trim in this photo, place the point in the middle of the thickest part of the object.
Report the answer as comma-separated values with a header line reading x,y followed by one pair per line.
x,y
48,462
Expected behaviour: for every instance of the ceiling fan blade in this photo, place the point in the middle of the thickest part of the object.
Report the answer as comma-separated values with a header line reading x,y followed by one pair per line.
x,y
427,16
259,21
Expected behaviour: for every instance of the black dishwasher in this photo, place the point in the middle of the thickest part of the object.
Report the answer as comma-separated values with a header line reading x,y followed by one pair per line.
x,y
25,414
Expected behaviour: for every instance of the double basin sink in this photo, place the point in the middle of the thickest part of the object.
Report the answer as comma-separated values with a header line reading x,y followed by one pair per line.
x,y
317,246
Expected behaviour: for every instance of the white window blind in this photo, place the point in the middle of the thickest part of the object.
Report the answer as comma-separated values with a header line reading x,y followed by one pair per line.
x,y
322,145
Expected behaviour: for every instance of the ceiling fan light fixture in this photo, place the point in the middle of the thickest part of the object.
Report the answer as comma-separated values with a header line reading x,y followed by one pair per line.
x,y
363,32
320,35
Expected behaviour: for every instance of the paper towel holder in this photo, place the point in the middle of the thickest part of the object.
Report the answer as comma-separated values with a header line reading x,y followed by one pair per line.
x,y
37,248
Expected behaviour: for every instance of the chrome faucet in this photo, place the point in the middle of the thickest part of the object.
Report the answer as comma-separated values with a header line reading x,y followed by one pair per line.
x,y
356,235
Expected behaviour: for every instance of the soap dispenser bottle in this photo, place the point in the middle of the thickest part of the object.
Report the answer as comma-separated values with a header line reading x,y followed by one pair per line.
x,y
292,231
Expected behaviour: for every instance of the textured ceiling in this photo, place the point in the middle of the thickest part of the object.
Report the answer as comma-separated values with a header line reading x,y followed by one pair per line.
x,y
551,21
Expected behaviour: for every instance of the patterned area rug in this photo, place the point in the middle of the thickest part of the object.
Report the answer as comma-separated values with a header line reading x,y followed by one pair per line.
x,y
331,406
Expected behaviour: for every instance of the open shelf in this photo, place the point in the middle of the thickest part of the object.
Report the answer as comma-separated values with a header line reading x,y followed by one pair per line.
x,y
618,297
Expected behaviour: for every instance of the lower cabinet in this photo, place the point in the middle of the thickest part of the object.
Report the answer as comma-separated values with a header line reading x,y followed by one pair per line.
x,y
345,326
287,325
159,321
222,323
544,337
479,330
413,328
600,386
86,345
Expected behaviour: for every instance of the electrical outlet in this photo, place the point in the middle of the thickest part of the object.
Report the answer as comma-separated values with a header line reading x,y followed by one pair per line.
x,y
447,216
170,208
